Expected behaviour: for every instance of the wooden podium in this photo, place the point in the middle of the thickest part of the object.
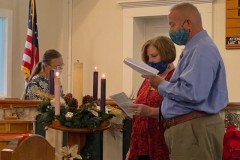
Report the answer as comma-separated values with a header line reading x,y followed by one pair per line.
x,y
9,105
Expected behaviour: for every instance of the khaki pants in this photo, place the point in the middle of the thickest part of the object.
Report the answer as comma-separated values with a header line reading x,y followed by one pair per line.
x,y
197,139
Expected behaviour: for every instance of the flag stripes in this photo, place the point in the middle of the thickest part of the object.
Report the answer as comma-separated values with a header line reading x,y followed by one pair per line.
x,y
31,50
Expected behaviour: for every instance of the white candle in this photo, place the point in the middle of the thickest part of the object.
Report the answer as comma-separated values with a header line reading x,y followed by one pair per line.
x,y
57,92
78,81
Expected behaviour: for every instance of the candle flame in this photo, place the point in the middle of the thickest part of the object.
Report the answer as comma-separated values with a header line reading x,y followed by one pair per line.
x,y
103,76
95,68
57,74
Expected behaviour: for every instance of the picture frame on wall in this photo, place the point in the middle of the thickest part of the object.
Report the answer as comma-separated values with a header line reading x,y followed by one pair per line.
x,y
232,24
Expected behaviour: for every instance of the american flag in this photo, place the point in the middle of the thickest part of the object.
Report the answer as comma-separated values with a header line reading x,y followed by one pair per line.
x,y
31,50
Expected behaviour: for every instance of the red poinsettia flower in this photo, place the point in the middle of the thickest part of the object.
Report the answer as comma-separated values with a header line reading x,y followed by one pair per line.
x,y
231,144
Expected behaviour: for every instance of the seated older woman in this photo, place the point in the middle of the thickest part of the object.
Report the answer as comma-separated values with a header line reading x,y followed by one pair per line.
x,y
38,86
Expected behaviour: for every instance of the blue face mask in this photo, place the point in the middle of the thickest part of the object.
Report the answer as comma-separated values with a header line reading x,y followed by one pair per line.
x,y
180,36
160,66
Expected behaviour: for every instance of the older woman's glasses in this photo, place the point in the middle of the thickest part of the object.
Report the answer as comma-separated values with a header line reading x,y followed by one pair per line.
x,y
57,67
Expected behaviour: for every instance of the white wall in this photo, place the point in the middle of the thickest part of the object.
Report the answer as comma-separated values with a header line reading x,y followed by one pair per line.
x,y
97,41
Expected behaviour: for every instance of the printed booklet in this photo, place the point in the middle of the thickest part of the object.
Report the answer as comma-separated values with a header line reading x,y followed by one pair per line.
x,y
123,102
140,67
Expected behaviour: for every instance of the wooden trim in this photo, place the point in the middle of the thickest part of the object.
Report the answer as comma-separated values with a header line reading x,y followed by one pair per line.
x,y
16,121
16,126
104,125
152,3
16,103
233,106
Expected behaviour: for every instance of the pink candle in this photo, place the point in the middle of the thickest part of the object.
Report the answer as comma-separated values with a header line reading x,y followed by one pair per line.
x,y
103,94
57,92
95,84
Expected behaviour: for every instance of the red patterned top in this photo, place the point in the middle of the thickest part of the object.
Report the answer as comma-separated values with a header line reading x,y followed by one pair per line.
x,y
147,134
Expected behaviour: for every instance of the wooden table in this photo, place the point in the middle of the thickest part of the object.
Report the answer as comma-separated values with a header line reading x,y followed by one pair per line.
x,y
78,135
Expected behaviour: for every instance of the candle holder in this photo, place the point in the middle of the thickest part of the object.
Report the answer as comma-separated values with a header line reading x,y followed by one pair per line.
x,y
56,122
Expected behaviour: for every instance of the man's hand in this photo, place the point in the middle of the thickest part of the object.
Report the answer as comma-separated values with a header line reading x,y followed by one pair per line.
x,y
154,80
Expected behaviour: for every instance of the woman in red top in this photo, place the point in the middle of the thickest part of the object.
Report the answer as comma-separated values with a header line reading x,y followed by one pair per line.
x,y
147,140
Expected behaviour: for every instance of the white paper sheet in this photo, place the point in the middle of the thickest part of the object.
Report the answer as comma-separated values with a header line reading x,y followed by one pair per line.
x,y
123,102
140,67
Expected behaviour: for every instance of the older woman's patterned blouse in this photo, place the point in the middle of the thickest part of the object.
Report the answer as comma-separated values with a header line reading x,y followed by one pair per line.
x,y
37,88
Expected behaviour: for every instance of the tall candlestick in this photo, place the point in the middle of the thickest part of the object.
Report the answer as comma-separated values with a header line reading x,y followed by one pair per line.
x,y
57,92
95,84
51,82
103,94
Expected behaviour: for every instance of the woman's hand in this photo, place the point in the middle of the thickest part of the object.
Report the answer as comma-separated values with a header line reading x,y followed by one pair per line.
x,y
154,80
127,155
144,110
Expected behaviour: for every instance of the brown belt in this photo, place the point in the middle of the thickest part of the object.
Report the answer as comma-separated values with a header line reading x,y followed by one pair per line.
x,y
183,118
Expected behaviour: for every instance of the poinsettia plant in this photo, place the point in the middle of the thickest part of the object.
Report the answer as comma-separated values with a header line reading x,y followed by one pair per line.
x,y
70,153
231,143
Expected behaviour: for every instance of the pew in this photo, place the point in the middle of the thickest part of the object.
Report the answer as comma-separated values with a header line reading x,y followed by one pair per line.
x,y
33,147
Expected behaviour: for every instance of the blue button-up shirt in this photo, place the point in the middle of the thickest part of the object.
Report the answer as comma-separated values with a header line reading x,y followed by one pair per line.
x,y
199,81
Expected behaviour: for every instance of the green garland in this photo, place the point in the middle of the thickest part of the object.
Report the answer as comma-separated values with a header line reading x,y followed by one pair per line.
x,y
81,117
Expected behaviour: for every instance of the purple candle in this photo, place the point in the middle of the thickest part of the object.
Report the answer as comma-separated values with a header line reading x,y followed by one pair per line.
x,y
103,94
51,82
95,84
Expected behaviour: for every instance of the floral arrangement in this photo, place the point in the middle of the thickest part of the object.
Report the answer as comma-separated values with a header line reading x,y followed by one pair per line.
x,y
70,153
71,115
231,142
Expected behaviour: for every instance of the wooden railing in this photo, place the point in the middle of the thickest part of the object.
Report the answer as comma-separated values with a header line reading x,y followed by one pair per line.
x,y
233,106
17,103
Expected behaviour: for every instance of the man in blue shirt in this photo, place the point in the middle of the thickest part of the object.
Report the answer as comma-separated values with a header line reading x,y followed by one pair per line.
x,y
196,93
